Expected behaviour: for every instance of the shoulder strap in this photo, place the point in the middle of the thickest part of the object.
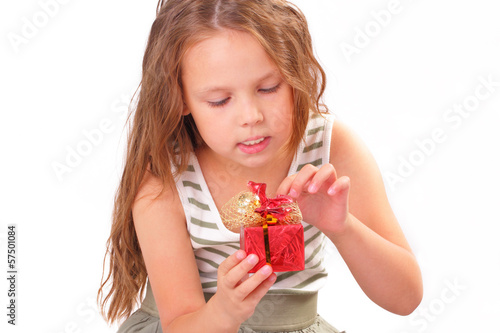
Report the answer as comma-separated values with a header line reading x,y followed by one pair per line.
x,y
315,146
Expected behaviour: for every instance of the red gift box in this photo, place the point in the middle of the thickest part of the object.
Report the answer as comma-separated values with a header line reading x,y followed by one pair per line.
x,y
286,246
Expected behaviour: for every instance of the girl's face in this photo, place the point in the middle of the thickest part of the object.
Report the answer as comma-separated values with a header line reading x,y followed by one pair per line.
x,y
238,99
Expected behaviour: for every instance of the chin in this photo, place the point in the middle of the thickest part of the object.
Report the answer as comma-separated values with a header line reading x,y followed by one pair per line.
x,y
258,161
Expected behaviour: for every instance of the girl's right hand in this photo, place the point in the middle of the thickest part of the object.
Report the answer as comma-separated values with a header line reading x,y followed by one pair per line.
x,y
237,294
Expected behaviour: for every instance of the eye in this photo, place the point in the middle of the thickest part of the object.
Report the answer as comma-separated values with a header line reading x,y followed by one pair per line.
x,y
218,103
271,90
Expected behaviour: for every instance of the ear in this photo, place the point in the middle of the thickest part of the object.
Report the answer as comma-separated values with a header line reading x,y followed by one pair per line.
x,y
185,110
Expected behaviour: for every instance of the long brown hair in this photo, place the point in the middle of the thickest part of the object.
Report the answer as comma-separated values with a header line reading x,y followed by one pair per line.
x,y
161,139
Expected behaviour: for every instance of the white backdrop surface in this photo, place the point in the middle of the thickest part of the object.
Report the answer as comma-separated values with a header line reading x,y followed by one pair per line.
x,y
418,80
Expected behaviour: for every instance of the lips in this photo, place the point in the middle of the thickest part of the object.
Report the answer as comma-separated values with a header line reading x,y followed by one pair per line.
x,y
254,145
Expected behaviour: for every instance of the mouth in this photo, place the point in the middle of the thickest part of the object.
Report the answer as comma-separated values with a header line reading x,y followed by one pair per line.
x,y
254,145
252,142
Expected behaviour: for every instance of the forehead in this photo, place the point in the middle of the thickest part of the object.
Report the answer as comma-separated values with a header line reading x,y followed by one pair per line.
x,y
227,57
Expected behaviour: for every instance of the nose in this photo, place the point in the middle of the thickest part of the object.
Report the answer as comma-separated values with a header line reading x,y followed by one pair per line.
x,y
250,113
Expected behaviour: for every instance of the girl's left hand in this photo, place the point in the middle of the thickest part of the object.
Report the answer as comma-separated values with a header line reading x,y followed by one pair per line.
x,y
322,198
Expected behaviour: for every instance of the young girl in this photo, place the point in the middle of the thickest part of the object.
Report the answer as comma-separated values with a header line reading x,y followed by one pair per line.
x,y
231,92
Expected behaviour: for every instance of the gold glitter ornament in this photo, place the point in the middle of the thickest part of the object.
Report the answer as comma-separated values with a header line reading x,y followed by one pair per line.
x,y
240,210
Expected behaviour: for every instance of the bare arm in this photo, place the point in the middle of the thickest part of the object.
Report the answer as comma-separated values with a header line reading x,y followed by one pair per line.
x,y
347,201
173,274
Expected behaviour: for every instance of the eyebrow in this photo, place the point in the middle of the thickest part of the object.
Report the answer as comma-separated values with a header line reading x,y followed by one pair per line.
x,y
210,89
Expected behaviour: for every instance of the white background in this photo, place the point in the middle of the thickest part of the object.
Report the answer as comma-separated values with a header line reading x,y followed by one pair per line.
x,y
82,63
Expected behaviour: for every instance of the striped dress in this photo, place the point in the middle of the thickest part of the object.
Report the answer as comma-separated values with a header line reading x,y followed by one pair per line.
x,y
212,242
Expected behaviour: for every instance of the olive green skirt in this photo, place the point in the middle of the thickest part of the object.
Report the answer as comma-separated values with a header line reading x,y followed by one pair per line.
x,y
274,313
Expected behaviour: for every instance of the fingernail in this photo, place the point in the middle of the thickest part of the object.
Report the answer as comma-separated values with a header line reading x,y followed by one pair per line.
x,y
240,255
252,259
272,278
331,190
313,188
266,270
293,193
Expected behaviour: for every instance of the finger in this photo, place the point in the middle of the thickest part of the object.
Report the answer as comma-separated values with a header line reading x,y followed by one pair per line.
x,y
238,272
340,192
252,283
326,175
301,180
341,186
230,262
246,277
262,289
284,187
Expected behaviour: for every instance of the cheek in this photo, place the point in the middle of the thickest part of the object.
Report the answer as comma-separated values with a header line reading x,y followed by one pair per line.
x,y
211,126
202,124
281,121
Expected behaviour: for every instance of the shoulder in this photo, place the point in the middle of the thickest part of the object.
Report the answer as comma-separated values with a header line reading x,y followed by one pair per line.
x,y
367,197
153,193
348,153
351,157
157,205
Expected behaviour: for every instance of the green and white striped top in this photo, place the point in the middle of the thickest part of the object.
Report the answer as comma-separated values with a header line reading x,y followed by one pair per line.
x,y
212,242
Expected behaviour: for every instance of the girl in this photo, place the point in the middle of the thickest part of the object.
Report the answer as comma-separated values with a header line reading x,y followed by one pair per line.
x,y
231,92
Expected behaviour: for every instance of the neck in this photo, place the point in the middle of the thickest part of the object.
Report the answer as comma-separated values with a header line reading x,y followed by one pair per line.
x,y
237,176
